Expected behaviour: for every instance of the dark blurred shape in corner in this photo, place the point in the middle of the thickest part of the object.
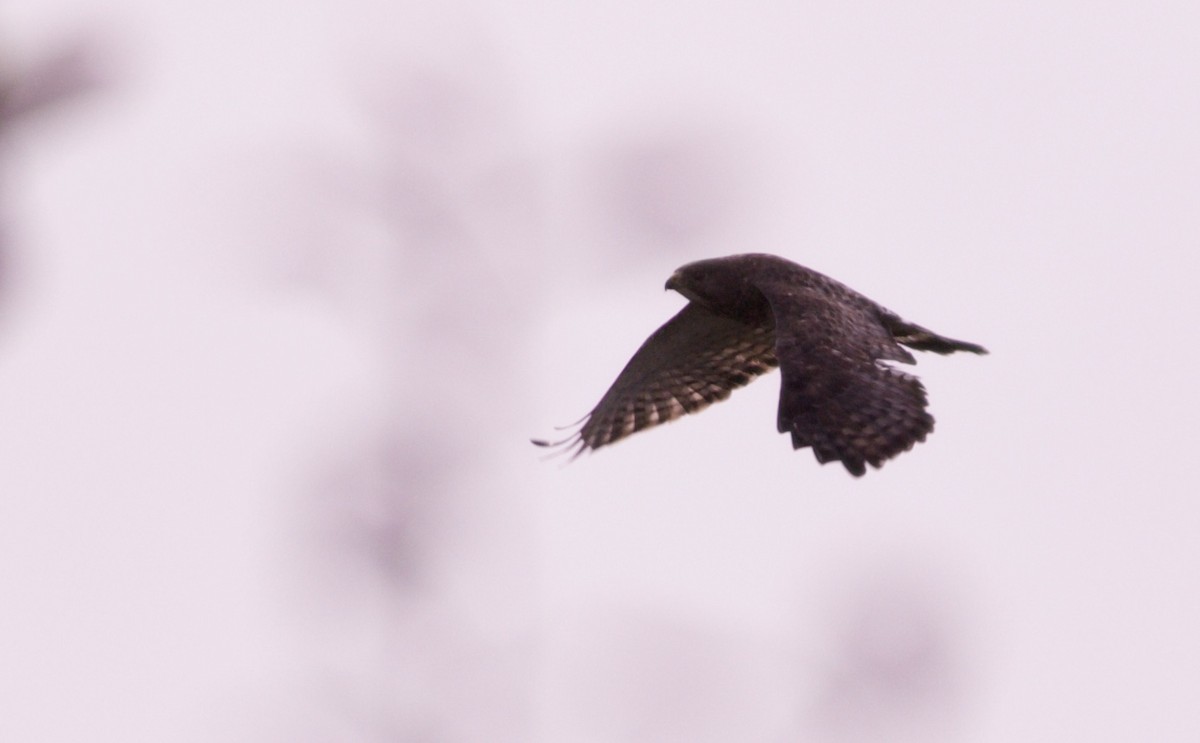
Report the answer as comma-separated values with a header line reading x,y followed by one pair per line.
x,y
61,76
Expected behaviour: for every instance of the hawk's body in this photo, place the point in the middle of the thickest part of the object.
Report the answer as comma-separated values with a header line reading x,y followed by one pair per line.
x,y
751,313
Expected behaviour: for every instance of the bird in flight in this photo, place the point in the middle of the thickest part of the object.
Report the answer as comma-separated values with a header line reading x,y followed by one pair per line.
x,y
747,314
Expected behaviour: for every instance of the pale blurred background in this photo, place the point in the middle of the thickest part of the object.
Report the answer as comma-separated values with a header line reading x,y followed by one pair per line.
x,y
285,288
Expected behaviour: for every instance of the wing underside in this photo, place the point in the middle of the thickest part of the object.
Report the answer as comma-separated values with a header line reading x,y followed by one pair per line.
x,y
695,359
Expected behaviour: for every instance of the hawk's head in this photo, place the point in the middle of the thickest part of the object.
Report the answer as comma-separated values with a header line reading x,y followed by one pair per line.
x,y
722,285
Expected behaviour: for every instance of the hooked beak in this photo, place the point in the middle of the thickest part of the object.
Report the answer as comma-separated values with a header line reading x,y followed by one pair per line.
x,y
676,283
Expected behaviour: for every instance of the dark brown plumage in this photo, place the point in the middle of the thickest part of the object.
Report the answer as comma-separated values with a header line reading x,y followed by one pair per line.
x,y
750,313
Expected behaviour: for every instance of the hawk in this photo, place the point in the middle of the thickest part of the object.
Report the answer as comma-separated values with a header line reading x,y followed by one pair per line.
x,y
747,314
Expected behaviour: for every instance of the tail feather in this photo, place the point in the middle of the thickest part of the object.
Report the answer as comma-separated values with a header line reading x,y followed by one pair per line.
x,y
923,339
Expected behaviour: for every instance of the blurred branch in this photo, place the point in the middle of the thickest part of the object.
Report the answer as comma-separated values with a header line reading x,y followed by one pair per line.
x,y
61,76
57,78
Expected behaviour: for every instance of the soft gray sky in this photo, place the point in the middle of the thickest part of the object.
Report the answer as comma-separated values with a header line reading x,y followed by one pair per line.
x,y
288,288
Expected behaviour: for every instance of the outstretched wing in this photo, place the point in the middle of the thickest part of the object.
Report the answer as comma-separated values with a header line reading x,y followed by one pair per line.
x,y
694,360
838,394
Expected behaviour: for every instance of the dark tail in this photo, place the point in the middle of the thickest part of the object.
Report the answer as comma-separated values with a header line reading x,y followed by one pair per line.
x,y
915,336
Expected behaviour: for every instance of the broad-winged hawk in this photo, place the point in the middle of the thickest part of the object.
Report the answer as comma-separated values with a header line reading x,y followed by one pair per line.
x,y
750,313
